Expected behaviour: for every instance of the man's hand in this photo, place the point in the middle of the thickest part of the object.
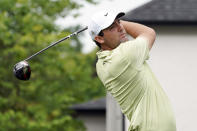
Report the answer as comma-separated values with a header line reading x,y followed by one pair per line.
x,y
139,30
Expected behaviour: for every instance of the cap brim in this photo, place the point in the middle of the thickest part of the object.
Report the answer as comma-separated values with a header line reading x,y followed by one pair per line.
x,y
120,15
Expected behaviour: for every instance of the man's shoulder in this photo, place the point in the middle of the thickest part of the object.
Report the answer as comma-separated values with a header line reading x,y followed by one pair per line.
x,y
113,65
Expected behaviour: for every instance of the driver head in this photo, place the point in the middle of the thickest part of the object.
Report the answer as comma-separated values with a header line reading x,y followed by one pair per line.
x,y
22,70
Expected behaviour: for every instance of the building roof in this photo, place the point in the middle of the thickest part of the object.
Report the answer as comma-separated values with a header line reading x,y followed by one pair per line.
x,y
99,104
165,12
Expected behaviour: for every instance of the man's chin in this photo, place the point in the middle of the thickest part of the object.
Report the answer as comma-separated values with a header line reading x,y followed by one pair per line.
x,y
124,40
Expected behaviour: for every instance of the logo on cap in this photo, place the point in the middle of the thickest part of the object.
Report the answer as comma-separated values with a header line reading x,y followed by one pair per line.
x,y
106,14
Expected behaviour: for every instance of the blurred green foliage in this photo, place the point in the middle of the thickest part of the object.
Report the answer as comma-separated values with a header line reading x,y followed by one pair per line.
x,y
61,76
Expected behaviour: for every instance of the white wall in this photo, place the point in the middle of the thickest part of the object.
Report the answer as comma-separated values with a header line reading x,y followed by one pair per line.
x,y
173,59
94,122
114,115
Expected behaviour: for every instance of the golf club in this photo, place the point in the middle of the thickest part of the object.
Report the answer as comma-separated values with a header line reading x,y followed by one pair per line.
x,y
22,69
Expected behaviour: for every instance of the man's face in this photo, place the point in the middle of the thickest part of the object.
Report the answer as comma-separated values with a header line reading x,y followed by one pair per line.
x,y
114,35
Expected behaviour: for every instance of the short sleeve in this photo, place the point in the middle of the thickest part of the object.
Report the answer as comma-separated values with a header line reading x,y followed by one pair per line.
x,y
136,51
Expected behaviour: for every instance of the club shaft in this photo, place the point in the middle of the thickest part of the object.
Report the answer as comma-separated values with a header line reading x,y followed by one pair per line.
x,y
55,43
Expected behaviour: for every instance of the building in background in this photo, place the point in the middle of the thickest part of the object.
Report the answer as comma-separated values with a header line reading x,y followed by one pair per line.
x,y
92,113
100,115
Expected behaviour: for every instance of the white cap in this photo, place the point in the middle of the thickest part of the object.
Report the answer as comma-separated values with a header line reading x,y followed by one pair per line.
x,y
102,20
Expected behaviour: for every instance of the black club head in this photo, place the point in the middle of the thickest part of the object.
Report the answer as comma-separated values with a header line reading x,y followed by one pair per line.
x,y
22,70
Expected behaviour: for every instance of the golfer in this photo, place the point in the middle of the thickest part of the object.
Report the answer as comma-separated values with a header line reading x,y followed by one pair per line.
x,y
123,70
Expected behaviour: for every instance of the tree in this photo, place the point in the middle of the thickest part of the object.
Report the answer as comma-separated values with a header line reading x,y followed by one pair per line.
x,y
60,77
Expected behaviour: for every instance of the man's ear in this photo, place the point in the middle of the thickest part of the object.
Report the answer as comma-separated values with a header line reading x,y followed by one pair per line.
x,y
99,39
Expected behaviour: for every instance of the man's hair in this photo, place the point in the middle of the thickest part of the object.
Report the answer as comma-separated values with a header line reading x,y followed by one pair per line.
x,y
97,43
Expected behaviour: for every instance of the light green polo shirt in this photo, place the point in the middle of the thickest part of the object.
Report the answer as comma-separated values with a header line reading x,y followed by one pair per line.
x,y
127,76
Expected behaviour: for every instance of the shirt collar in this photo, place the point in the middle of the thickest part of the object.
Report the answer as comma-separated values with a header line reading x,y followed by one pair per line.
x,y
103,54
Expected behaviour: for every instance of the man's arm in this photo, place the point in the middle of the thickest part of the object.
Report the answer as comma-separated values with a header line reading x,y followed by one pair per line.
x,y
139,30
